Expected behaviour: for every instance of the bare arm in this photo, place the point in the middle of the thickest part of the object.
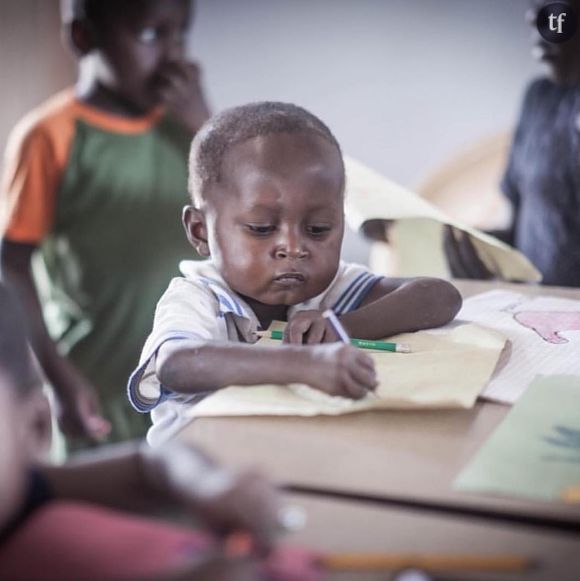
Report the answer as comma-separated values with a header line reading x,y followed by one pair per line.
x,y
392,306
139,478
16,261
187,367
76,397
114,477
402,305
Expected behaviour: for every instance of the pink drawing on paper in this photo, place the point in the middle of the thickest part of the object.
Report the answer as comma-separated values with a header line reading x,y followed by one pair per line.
x,y
549,324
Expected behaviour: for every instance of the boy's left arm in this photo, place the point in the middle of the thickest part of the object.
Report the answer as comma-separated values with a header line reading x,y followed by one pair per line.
x,y
400,305
392,306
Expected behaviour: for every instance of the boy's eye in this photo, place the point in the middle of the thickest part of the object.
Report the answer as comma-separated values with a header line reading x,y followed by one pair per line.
x,y
148,35
261,229
318,230
152,34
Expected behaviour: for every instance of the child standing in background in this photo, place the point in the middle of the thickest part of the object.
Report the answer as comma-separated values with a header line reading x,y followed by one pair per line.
x,y
267,186
94,182
542,178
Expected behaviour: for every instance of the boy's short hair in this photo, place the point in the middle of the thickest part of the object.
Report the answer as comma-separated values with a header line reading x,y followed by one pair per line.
x,y
240,124
15,358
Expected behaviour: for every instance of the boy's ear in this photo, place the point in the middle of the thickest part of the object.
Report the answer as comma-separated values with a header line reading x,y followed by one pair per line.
x,y
195,229
80,37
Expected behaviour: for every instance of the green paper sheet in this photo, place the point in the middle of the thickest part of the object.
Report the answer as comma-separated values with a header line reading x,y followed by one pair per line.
x,y
535,452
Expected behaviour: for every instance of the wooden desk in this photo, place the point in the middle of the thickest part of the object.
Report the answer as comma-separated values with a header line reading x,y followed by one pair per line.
x,y
339,526
401,457
469,288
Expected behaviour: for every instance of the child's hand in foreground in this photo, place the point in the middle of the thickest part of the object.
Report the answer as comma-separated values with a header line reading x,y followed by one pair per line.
x,y
180,90
309,327
225,500
78,407
341,369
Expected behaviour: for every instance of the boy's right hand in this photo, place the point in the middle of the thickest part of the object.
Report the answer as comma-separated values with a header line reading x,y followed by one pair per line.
x,y
340,369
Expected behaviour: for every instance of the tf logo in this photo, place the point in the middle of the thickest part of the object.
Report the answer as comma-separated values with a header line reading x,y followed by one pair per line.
x,y
556,22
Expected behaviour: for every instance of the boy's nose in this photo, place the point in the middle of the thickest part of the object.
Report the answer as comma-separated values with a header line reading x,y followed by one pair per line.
x,y
291,253
173,48
291,246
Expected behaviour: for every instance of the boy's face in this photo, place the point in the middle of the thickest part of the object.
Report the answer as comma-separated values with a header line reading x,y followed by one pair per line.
x,y
137,48
274,224
561,60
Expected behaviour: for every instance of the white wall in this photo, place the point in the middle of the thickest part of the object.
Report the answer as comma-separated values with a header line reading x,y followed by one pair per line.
x,y
402,83
33,63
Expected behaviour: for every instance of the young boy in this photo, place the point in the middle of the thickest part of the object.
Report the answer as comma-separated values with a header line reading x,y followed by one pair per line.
x,y
542,179
267,185
66,522
94,181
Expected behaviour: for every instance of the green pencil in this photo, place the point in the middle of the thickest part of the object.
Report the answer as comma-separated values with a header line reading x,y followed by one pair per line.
x,y
363,344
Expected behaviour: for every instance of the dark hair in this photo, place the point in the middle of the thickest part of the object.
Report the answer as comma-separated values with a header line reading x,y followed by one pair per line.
x,y
239,124
15,357
93,11
90,10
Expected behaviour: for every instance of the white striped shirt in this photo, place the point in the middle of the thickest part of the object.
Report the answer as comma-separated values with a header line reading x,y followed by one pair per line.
x,y
200,306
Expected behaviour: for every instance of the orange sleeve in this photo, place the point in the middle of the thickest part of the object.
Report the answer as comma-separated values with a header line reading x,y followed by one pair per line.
x,y
33,166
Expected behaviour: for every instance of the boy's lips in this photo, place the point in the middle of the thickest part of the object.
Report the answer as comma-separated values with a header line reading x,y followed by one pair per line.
x,y
289,279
